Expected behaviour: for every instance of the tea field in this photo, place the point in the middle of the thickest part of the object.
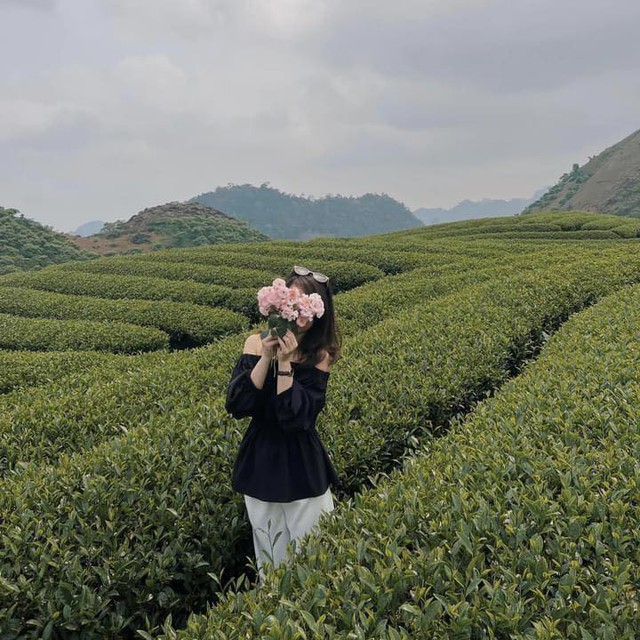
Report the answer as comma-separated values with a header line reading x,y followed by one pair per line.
x,y
483,421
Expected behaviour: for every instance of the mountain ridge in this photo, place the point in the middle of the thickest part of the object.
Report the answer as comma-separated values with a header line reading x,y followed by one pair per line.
x,y
608,183
283,215
475,209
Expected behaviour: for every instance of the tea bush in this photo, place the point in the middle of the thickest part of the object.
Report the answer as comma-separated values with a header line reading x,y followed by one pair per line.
x,y
187,324
118,287
28,368
146,265
37,334
516,524
117,536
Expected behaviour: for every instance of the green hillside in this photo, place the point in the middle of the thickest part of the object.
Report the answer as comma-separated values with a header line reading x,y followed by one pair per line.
x,y
174,224
282,215
26,244
483,423
608,183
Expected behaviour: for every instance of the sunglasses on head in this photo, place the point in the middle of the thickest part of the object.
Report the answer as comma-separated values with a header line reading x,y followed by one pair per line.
x,y
303,271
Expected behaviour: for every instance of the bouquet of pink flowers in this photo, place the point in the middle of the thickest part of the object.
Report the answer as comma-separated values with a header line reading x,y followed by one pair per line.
x,y
287,307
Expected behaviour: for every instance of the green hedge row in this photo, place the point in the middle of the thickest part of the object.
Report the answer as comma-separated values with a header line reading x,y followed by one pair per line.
x,y
593,234
274,256
494,228
51,406
566,220
630,230
138,523
344,275
79,411
355,313
44,423
187,324
482,248
147,265
609,222
439,358
521,523
21,369
61,280
365,306
38,334
570,220
514,227
409,252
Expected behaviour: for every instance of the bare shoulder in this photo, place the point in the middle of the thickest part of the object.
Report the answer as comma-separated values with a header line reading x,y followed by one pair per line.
x,y
253,345
325,362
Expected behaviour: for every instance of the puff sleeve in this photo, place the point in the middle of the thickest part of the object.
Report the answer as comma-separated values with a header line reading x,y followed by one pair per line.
x,y
242,393
298,406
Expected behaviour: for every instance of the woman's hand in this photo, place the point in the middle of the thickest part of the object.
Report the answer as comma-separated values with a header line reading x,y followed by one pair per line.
x,y
286,346
269,346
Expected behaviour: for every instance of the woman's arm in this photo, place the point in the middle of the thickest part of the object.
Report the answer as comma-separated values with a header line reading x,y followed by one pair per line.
x,y
247,378
259,373
299,403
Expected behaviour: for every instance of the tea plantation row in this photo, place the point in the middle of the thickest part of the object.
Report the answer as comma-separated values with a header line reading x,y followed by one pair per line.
x,y
358,308
122,529
179,323
173,297
518,524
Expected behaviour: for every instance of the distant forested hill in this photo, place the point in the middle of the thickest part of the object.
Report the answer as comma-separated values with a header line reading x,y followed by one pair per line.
x,y
170,225
26,244
282,215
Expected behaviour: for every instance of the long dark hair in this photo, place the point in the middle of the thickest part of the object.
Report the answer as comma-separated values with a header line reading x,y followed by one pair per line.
x,y
323,334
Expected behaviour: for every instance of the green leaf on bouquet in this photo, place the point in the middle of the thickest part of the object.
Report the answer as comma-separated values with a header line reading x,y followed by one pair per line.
x,y
278,326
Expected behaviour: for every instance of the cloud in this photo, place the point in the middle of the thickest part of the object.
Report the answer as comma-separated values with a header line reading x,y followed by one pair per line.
x,y
24,119
188,19
500,45
112,105
29,4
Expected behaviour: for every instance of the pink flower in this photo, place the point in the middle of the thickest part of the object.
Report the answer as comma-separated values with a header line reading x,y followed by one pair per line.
x,y
289,303
294,295
304,307
317,306
288,313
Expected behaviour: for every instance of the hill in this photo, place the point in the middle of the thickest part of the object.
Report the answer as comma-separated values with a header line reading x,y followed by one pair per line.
x,y
26,244
282,215
608,183
166,226
473,209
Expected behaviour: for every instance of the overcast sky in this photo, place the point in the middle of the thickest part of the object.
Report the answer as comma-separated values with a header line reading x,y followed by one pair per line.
x,y
110,106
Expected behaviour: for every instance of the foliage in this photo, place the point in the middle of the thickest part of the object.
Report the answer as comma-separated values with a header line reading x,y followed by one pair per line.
x,y
281,215
42,334
116,505
517,524
187,324
179,224
26,244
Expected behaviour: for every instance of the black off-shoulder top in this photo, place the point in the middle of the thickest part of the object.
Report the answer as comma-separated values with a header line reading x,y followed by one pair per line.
x,y
281,457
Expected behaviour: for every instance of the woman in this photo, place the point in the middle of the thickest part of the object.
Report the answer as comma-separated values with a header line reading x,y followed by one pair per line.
x,y
282,468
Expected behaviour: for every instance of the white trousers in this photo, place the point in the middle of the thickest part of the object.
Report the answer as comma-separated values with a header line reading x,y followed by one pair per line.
x,y
276,524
